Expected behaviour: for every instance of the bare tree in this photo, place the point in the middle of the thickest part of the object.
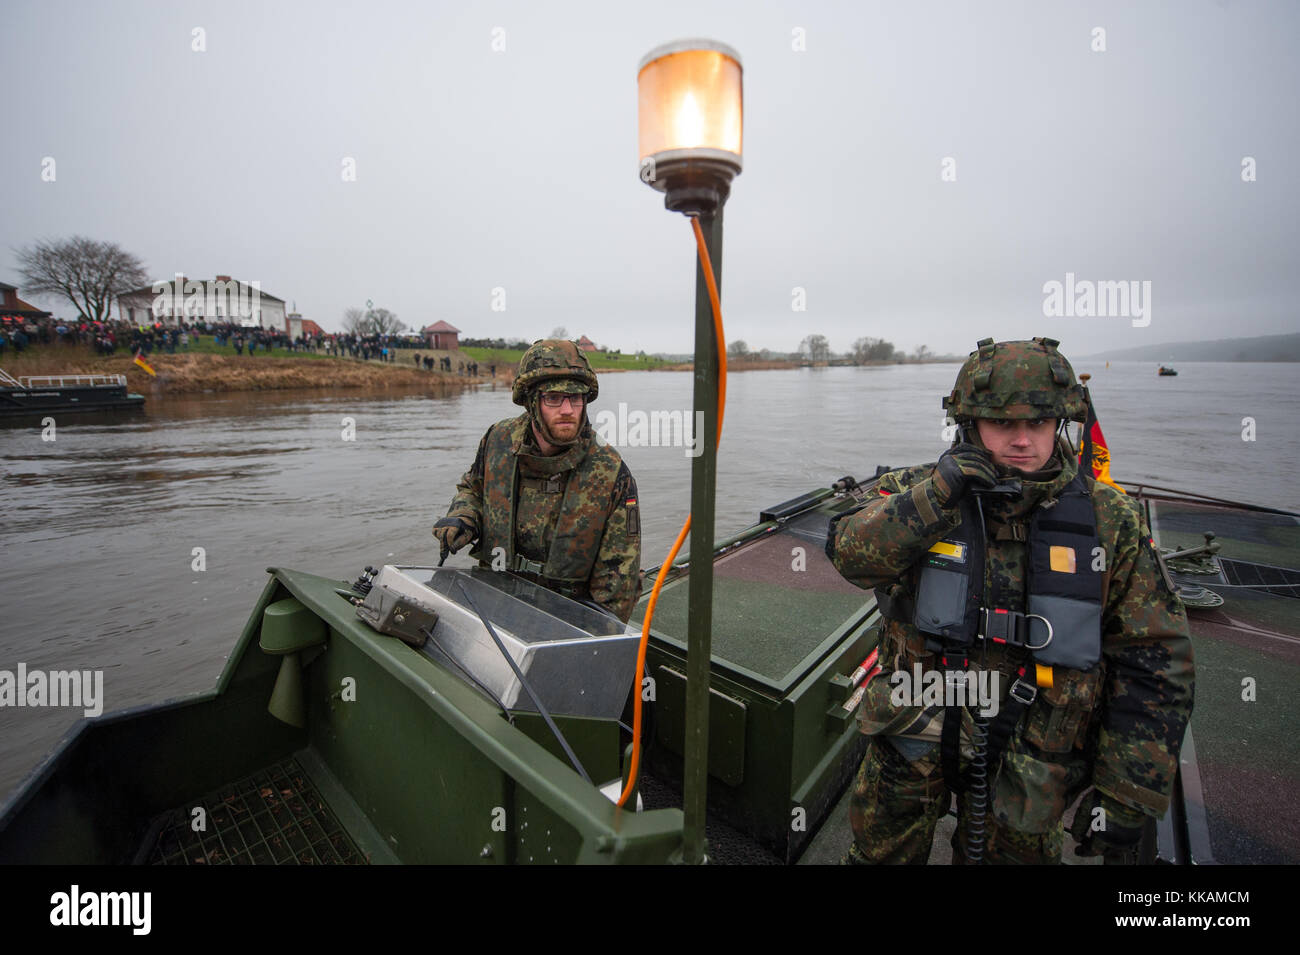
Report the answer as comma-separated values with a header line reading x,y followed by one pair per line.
x,y
87,272
872,349
815,348
353,320
560,332
923,354
381,321
737,350
371,321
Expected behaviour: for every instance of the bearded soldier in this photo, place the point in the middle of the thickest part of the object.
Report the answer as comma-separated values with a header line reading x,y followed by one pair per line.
x,y
547,500
1003,566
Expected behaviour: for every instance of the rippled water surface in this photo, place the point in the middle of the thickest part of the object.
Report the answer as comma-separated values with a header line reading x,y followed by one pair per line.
x,y
99,527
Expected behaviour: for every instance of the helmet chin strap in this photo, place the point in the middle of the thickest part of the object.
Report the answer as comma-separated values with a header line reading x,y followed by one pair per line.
x,y
967,433
1063,434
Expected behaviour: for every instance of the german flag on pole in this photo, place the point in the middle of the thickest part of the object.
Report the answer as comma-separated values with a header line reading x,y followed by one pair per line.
x,y
139,360
1093,451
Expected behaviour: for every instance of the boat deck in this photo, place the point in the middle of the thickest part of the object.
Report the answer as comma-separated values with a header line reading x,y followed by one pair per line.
x,y
1246,714
342,792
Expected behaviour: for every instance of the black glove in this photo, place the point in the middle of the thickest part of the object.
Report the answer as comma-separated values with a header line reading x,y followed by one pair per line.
x,y
454,533
1114,833
960,468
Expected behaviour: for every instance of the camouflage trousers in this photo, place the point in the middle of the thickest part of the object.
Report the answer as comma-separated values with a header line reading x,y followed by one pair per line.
x,y
896,805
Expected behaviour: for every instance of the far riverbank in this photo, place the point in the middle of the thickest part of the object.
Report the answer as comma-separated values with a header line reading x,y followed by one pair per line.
x,y
198,373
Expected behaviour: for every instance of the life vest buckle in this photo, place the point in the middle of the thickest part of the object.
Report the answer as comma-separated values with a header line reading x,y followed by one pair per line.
x,y
1002,626
525,566
1022,692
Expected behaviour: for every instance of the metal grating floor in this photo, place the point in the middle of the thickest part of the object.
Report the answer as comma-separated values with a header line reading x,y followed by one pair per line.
x,y
274,816
1278,581
726,846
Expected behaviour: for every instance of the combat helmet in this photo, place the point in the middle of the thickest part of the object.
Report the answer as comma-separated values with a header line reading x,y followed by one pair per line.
x,y
553,362
1009,380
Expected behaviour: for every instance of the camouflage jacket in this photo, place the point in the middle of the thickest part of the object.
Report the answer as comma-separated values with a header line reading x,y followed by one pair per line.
x,y
574,513
1118,726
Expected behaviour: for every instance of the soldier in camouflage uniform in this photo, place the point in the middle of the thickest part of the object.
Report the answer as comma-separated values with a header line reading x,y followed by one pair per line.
x,y
545,498
1112,718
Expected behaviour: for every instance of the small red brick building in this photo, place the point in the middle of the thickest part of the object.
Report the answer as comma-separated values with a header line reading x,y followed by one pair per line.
x,y
444,336
586,344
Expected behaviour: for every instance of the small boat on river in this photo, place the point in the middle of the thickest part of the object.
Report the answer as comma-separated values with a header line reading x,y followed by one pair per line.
x,y
44,394
1167,371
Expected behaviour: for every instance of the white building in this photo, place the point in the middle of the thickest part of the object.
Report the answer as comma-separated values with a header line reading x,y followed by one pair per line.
x,y
222,299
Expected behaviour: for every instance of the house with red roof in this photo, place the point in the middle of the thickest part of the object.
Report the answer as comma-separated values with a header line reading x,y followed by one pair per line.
x,y
443,336
14,310
298,327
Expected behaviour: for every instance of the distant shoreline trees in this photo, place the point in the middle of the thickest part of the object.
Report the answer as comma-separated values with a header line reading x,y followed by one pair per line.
x,y
815,348
872,349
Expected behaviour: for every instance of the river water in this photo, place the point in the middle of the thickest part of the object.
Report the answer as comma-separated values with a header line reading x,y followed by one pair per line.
x,y
100,526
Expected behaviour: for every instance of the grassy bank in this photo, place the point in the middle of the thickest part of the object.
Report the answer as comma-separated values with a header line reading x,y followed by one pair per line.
x,y
198,371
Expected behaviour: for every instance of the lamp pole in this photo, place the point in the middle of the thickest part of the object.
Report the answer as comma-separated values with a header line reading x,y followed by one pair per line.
x,y
690,113
704,479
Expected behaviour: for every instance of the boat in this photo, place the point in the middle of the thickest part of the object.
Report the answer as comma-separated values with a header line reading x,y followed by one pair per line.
x,y
43,394
1237,569
327,740
1167,371
440,715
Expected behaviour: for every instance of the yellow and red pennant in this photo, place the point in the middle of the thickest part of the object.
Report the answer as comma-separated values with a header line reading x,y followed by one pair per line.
x,y
139,360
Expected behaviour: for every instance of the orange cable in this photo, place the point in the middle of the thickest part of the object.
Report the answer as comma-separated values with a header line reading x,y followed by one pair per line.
x,y
634,766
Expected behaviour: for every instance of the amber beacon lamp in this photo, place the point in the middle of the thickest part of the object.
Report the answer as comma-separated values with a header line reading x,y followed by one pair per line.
x,y
690,110
689,115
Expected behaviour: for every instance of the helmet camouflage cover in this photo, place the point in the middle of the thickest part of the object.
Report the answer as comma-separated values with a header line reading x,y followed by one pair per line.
x,y
1010,380
554,365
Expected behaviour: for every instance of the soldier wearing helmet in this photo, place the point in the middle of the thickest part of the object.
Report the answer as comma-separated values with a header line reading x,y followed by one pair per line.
x,y
1058,656
544,498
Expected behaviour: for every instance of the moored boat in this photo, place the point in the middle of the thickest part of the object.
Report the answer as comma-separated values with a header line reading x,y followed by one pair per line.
x,y
41,394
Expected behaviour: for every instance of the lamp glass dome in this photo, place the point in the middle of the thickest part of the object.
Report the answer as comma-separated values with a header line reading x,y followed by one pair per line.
x,y
690,100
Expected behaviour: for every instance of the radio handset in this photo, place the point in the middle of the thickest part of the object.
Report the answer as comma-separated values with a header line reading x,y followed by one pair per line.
x,y
1010,487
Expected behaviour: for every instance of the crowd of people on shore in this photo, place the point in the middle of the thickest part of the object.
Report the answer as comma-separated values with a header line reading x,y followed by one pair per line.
x,y
106,338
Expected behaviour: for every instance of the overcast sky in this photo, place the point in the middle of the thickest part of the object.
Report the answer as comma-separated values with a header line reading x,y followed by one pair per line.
x,y
517,168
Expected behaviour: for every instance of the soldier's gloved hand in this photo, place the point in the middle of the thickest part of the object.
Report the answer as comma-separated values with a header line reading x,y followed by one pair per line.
x,y
961,468
453,533
831,526
1113,833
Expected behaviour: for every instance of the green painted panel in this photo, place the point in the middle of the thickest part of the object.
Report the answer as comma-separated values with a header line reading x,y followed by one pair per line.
x,y
726,725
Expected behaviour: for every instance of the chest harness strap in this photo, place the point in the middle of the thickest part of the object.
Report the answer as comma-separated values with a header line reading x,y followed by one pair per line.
x,y
1061,628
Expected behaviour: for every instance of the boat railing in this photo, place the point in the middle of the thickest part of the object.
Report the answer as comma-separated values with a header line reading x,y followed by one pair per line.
x,y
70,381
1140,490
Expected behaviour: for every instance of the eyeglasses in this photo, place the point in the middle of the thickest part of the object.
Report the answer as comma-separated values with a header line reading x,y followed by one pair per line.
x,y
553,400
